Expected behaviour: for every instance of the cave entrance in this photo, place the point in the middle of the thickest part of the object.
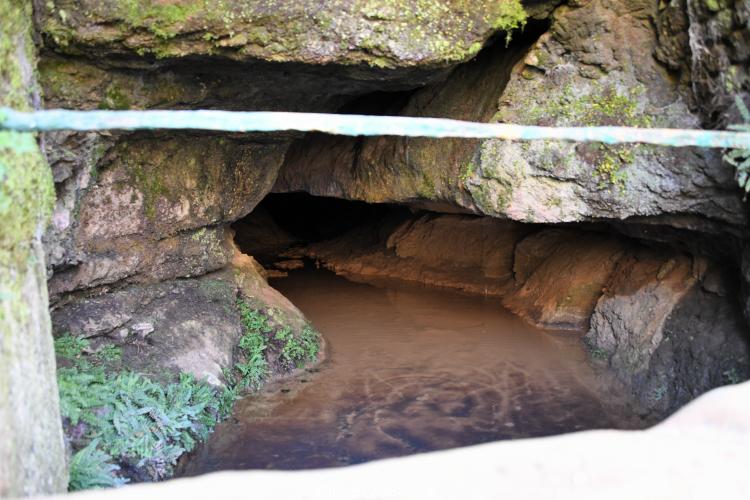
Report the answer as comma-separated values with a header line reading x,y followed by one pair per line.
x,y
285,221
410,368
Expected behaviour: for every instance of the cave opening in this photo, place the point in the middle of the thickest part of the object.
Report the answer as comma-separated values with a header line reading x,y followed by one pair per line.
x,y
482,291
446,330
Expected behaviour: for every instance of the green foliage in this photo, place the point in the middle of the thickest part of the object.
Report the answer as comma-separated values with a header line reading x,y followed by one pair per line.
x,y
70,347
296,351
254,369
110,353
92,468
75,348
740,158
130,417
260,335
137,419
310,340
253,320
229,394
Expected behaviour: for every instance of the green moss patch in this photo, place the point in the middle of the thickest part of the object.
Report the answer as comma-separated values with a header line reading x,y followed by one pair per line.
x,y
602,106
26,200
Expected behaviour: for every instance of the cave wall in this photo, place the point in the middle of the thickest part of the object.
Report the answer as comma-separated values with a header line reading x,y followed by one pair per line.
x,y
140,253
121,195
594,65
138,209
664,324
32,455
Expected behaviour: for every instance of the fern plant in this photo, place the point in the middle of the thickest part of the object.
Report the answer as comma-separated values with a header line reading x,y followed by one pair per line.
x,y
92,468
740,158
130,418
127,418
70,347
254,369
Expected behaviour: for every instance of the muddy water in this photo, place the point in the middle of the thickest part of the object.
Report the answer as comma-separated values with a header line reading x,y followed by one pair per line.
x,y
409,370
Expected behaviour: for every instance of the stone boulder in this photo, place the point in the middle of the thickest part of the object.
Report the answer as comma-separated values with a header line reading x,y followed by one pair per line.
x,y
155,209
560,274
180,326
381,34
666,330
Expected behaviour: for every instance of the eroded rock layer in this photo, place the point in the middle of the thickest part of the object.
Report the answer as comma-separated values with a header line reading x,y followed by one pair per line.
x,y
656,318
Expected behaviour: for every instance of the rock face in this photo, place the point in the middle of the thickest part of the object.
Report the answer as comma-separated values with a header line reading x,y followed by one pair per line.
x,y
429,172
154,211
149,207
664,329
379,33
562,82
180,326
559,81
448,251
32,457
706,43
559,275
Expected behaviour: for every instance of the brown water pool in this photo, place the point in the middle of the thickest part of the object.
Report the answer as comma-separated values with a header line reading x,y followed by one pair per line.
x,y
409,370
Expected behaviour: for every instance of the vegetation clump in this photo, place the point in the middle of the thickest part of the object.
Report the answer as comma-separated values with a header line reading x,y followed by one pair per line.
x,y
123,425
262,339
124,421
254,369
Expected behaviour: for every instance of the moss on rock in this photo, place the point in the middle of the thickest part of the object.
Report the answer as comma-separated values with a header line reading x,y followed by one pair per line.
x,y
31,452
380,33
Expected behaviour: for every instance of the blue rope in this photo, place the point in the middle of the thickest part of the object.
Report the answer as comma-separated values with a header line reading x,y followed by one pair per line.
x,y
357,125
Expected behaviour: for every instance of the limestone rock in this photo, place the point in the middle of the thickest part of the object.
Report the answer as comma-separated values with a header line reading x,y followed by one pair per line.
x,y
383,34
178,326
560,275
594,66
664,330
427,172
156,209
562,81
456,252
32,454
